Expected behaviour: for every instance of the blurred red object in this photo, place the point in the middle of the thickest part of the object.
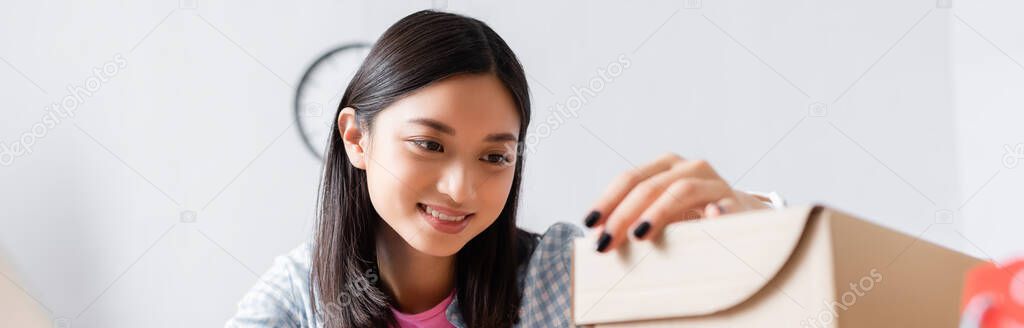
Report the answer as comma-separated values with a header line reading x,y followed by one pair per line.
x,y
993,296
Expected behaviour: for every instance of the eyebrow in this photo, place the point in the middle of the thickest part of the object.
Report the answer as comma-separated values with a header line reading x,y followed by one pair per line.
x,y
444,128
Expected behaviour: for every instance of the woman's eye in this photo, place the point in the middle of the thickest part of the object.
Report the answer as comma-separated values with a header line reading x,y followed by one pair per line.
x,y
429,145
497,159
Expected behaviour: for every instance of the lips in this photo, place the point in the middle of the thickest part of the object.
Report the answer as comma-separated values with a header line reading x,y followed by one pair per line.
x,y
444,219
443,213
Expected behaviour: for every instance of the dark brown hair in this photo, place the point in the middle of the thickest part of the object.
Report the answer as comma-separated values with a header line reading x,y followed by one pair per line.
x,y
420,49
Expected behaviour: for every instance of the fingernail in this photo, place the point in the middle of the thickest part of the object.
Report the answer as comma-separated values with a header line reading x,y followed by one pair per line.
x,y
641,229
591,219
720,209
603,242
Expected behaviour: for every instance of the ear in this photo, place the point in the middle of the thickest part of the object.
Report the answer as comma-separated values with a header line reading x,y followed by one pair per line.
x,y
352,137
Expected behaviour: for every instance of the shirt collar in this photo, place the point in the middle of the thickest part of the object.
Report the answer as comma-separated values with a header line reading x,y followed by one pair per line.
x,y
453,314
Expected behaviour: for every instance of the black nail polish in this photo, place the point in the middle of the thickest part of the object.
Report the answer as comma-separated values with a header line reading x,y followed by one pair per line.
x,y
591,218
641,229
603,242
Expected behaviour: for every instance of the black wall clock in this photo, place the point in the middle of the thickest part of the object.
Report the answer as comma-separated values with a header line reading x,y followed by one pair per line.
x,y
319,93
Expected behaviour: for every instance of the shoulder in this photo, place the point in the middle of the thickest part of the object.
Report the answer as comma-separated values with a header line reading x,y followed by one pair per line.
x,y
551,248
547,278
556,243
562,232
280,297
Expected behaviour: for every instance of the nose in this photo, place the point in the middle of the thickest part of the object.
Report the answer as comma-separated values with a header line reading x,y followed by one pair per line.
x,y
457,182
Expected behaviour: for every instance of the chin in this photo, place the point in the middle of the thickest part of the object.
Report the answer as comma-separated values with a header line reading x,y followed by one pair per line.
x,y
440,248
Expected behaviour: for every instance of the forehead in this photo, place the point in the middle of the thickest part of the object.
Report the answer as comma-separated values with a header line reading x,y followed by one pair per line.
x,y
473,104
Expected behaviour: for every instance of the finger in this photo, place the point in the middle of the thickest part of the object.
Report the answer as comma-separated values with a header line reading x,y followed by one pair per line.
x,y
636,201
713,210
682,200
623,184
699,168
722,207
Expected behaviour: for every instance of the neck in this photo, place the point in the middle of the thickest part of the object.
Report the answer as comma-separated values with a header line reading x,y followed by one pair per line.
x,y
417,281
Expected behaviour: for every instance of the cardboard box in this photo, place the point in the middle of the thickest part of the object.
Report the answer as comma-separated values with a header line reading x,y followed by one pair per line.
x,y
17,308
806,266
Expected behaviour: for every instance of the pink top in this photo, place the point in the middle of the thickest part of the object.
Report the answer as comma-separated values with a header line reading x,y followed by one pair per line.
x,y
434,317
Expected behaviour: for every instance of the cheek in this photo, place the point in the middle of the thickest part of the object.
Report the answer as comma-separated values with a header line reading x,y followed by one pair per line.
x,y
393,180
494,193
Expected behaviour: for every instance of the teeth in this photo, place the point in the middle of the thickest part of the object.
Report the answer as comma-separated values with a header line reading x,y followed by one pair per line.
x,y
442,216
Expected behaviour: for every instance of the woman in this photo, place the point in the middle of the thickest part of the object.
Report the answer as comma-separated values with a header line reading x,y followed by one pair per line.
x,y
417,221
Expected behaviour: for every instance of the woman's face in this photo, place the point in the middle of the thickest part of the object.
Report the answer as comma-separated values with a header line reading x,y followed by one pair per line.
x,y
440,162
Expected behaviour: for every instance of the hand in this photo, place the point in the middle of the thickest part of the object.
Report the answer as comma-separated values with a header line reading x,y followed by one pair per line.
x,y
643,201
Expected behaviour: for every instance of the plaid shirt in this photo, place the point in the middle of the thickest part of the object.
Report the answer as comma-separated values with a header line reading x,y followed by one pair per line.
x,y
281,297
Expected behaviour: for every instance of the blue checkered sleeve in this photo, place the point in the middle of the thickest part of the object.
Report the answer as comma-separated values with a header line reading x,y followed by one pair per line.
x,y
547,285
280,297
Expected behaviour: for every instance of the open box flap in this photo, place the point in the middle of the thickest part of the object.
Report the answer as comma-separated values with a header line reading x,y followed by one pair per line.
x,y
715,264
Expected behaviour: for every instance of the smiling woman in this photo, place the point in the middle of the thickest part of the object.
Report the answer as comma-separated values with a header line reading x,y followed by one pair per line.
x,y
417,221
444,152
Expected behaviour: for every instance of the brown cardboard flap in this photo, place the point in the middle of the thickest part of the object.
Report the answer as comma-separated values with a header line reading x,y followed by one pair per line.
x,y
17,307
715,264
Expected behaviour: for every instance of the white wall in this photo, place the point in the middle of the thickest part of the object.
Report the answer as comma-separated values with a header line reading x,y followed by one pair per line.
x,y
988,70
199,120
